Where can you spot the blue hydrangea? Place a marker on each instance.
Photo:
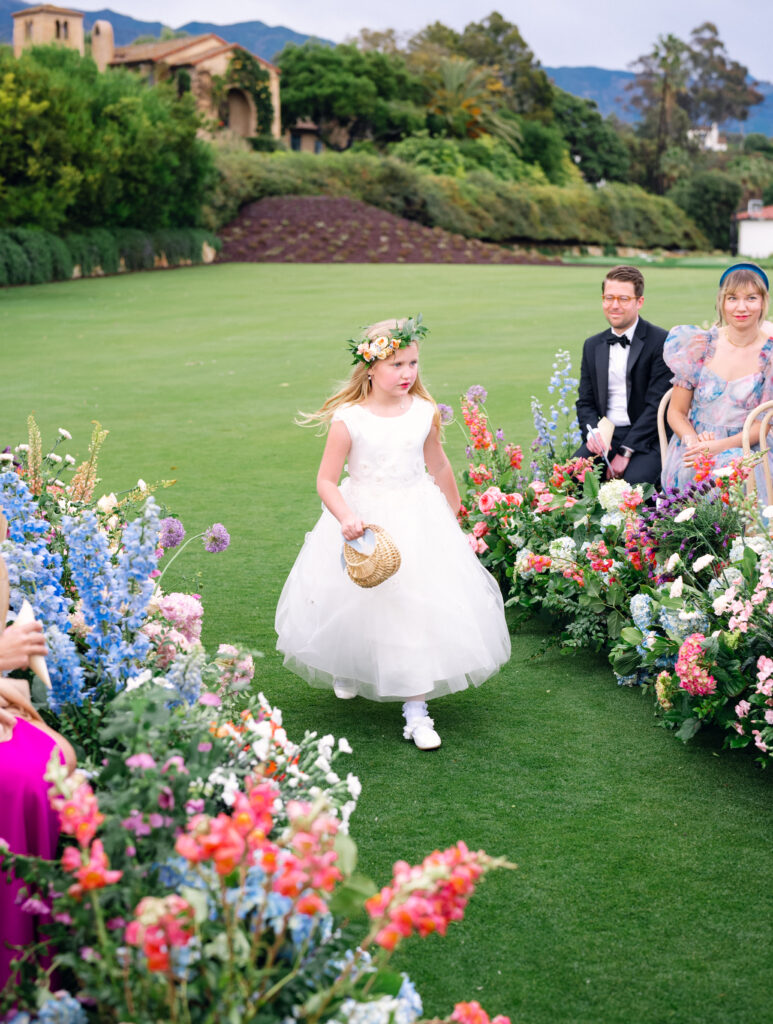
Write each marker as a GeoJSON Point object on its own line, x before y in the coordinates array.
{"type": "Point", "coordinates": [679, 627]}
{"type": "Point", "coordinates": [641, 611]}
{"type": "Point", "coordinates": [647, 642]}
{"type": "Point", "coordinates": [632, 680]}
{"type": "Point", "coordinates": [62, 1009]}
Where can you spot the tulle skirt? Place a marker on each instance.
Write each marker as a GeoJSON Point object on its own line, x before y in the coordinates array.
{"type": "Point", "coordinates": [435, 627]}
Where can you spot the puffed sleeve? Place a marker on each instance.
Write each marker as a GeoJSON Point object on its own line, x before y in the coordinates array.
{"type": "Point", "coordinates": [767, 370]}
{"type": "Point", "coordinates": [685, 350]}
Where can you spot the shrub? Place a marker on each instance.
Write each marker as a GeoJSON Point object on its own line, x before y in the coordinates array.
{"type": "Point", "coordinates": [14, 262]}
{"type": "Point", "coordinates": [135, 249]}
{"type": "Point", "coordinates": [478, 205]}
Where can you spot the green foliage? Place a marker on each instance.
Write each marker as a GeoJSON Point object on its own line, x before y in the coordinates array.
{"type": "Point", "coordinates": [49, 258]}
{"type": "Point", "coordinates": [84, 149]}
{"type": "Point", "coordinates": [544, 144]}
{"type": "Point", "coordinates": [593, 142]}
{"type": "Point", "coordinates": [710, 199]}
{"type": "Point", "coordinates": [455, 157]}
{"type": "Point", "coordinates": [351, 95]}
{"type": "Point", "coordinates": [478, 205]}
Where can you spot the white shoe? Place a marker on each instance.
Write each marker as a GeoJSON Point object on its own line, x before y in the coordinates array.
{"type": "Point", "coordinates": [422, 732]}
{"type": "Point", "coordinates": [343, 690]}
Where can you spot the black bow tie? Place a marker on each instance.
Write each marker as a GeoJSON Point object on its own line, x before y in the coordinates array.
{"type": "Point", "coordinates": [612, 339]}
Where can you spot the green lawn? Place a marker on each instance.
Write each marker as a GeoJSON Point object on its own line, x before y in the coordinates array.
{"type": "Point", "coordinates": [635, 899]}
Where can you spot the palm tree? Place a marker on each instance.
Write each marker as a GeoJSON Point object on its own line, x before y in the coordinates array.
{"type": "Point", "coordinates": [467, 98]}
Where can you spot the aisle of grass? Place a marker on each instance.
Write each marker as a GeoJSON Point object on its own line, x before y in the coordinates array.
{"type": "Point", "coordinates": [636, 898]}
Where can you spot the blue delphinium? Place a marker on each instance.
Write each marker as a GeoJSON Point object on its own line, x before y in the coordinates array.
{"type": "Point", "coordinates": [114, 598]}
{"type": "Point", "coordinates": [35, 574]}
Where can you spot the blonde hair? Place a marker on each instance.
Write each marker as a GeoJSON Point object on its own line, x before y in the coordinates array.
{"type": "Point", "coordinates": [356, 389]}
{"type": "Point", "coordinates": [741, 278]}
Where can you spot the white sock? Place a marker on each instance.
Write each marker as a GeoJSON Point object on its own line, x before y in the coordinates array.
{"type": "Point", "coordinates": [414, 709]}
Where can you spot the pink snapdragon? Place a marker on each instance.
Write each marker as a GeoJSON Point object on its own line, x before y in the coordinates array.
{"type": "Point", "coordinates": [473, 1013]}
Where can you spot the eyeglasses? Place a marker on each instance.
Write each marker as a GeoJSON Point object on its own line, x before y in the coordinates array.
{"type": "Point", "coordinates": [623, 300]}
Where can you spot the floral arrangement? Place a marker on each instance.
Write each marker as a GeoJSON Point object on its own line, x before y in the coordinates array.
{"type": "Point", "coordinates": [207, 871]}
{"type": "Point", "coordinates": [676, 587]}
{"type": "Point", "coordinates": [366, 350]}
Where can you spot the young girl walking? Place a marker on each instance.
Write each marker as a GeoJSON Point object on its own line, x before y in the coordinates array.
{"type": "Point", "coordinates": [437, 625]}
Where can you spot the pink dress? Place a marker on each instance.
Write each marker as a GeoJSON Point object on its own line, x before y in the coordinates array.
{"type": "Point", "coordinates": [28, 825]}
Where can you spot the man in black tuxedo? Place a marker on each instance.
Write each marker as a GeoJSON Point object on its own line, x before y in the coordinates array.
{"type": "Point", "coordinates": [623, 377]}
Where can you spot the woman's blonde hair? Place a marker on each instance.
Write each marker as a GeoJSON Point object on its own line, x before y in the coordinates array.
{"type": "Point", "coordinates": [356, 389]}
{"type": "Point", "coordinates": [741, 278]}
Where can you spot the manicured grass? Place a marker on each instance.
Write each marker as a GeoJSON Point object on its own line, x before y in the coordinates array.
{"type": "Point", "coordinates": [639, 894]}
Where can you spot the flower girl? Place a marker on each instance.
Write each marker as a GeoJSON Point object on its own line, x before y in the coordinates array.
{"type": "Point", "coordinates": [437, 625]}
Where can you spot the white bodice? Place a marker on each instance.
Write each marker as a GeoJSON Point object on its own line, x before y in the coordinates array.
{"type": "Point", "coordinates": [387, 450]}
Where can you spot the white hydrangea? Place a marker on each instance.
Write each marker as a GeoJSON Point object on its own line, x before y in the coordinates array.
{"type": "Point", "coordinates": [611, 494]}
{"type": "Point", "coordinates": [761, 545]}
{"type": "Point", "coordinates": [563, 551]}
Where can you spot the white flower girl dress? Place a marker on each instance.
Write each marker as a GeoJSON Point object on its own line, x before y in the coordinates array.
{"type": "Point", "coordinates": [437, 625]}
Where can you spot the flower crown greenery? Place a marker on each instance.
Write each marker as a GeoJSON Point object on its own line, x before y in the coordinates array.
{"type": "Point", "coordinates": [366, 350]}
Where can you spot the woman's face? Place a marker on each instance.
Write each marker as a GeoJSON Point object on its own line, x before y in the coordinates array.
{"type": "Point", "coordinates": [743, 306]}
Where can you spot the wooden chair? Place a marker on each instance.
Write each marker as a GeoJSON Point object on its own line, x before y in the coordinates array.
{"type": "Point", "coordinates": [662, 433]}
{"type": "Point", "coordinates": [765, 410]}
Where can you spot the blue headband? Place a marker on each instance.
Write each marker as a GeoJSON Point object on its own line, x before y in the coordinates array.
{"type": "Point", "coordinates": [747, 266]}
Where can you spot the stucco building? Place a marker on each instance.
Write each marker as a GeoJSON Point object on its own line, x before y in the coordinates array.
{"type": "Point", "coordinates": [755, 231]}
{"type": "Point", "coordinates": [203, 57]}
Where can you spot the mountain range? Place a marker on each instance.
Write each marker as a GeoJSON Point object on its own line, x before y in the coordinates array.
{"type": "Point", "coordinates": [606, 87]}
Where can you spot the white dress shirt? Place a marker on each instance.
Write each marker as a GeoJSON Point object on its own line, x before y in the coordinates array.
{"type": "Point", "coordinates": [617, 392]}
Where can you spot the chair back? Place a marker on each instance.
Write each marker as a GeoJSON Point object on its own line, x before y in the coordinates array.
{"type": "Point", "coordinates": [763, 413]}
{"type": "Point", "coordinates": [662, 434]}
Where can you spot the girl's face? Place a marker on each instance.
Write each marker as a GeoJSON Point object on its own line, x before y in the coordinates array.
{"type": "Point", "coordinates": [396, 375]}
{"type": "Point", "coordinates": [743, 306]}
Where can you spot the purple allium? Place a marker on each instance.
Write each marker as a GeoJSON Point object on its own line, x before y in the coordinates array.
{"type": "Point", "coordinates": [216, 538]}
{"type": "Point", "coordinates": [446, 412]}
{"type": "Point", "coordinates": [477, 394]}
{"type": "Point", "coordinates": [172, 532]}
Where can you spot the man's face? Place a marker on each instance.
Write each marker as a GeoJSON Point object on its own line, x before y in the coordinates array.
{"type": "Point", "coordinates": [620, 305]}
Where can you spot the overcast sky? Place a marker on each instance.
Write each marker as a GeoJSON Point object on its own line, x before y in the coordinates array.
{"type": "Point", "coordinates": [605, 33]}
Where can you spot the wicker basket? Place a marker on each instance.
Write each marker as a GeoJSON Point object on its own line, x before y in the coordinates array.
{"type": "Point", "coordinates": [370, 570]}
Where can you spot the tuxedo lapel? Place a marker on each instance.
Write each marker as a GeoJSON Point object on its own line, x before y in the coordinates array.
{"type": "Point", "coordinates": [602, 374]}
{"type": "Point", "coordinates": [637, 344]}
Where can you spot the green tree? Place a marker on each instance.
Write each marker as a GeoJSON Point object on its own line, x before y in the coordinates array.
{"type": "Point", "coordinates": [710, 199]}
{"type": "Point", "coordinates": [593, 143]}
{"type": "Point", "coordinates": [660, 95]}
{"type": "Point", "coordinates": [350, 94]}
{"type": "Point", "coordinates": [90, 149]}
{"type": "Point", "coordinates": [466, 100]}
{"type": "Point", "coordinates": [496, 43]}
{"type": "Point", "coordinates": [719, 88]}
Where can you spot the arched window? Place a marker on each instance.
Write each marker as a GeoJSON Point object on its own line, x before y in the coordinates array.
{"type": "Point", "coordinates": [58, 29]}
{"type": "Point", "coordinates": [65, 30]}
{"type": "Point", "coordinates": [28, 29]}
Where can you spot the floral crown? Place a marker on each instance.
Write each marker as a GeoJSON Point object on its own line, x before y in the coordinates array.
{"type": "Point", "coordinates": [366, 350]}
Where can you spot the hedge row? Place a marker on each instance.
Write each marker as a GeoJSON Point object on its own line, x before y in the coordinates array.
{"type": "Point", "coordinates": [34, 256]}
{"type": "Point", "coordinates": [477, 205]}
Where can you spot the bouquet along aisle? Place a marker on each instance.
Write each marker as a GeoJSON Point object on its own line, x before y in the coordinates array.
{"type": "Point", "coordinates": [206, 872]}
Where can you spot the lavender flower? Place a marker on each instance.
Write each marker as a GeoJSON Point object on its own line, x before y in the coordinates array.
{"type": "Point", "coordinates": [477, 394]}
{"type": "Point", "coordinates": [500, 435]}
{"type": "Point", "coordinates": [172, 532]}
{"type": "Point", "coordinates": [446, 412]}
{"type": "Point", "coordinates": [216, 538]}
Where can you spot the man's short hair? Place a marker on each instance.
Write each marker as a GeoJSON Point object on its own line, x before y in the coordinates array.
{"type": "Point", "coordinates": [626, 273]}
